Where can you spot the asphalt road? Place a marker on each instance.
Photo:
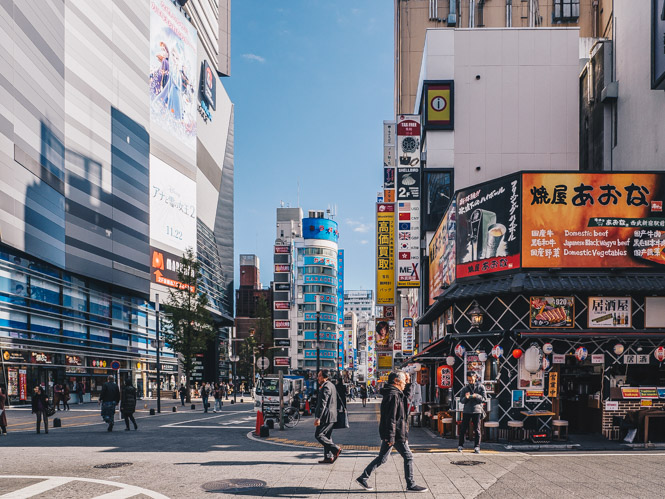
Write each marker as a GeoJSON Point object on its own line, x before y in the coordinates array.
{"type": "Point", "coordinates": [191, 453]}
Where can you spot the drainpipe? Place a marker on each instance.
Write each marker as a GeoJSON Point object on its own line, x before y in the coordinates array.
{"type": "Point", "coordinates": [481, 17]}
{"type": "Point", "coordinates": [595, 19]}
{"type": "Point", "coordinates": [472, 16]}
{"type": "Point", "coordinates": [509, 13]}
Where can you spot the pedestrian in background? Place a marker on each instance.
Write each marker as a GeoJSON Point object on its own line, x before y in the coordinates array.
{"type": "Point", "coordinates": [394, 430]}
{"type": "Point", "coordinates": [39, 407]}
{"type": "Point", "coordinates": [109, 398]}
{"type": "Point", "coordinates": [472, 396]}
{"type": "Point", "coordinates": [217, 393]}
{"type": "Point", "coordinates": [57, 396]}
{"type": "Point", "coordinates": [128, 404]}
{"type": "Point", "coordinates": [65, 396]}
{"type": "Point", "coordinates": [80, 390]}
{"type": "Point", "coordinates": [3, 413]}
{"type": "Point", "coordinates": [204, 396]}
{"type": "Point", "coordinates": [363, 394]}
{"type": "Point", "coordinates": [326, 416]}
{"type": "Point", "coordinates": [183, 394]}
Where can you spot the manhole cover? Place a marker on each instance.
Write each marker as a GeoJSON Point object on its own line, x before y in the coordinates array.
{"type": "Point", "coordinates": [112, 465]}
{"type": "Point", "coordinates": [467, 463]}
{"type": "Point", "coordinates": [232, 484]}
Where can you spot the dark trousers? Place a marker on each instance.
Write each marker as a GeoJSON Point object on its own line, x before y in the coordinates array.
{"type": "Point", "coordinates": [323, 434]}
{"type": "Point", "coordinates": [182, 399]}
{"type": "Point", "coordinates": [65, 404]}
{"type": "Point", "coordinates": [42, 415]}
{"type": "Point", "coordinates": [466, 419]}
{"type": "Point", "coordinates": [405, 452]}
{"type": "Point", "coordinates": [129, 417]}
{"type": "Point", "coordinates": [205, 404]}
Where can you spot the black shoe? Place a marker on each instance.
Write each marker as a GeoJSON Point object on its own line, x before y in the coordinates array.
{"type": "Point", "coordinates": [127, 429]}
{"type": "Point", "coordinates": [417, 488]}
{"type": "Point", "coordinates": [136, 427]}
{"type": "Point", "coordinates": [339, 451]}
{"type": "Point", "coordinates": [363, 483]}
{"type": "Point", "coordinates": [326, 461]}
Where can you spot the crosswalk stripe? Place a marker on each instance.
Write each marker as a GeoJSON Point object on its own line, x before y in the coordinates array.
{"type": "Point", "coordinates": [37, 488]}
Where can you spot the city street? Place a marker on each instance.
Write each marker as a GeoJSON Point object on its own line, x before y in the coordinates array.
{"type": "Point", "coordinates": [189, 453]}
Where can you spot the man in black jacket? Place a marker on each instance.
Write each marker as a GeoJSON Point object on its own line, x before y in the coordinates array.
{"type": "Point", "coordinates": [472, 396]}
{"type": "Point", "coordinates": [128, 404]}
{"type": "Point", "coordinates": [394, 429]}
{"type": "Point", "coordinates": [326, 417]}
{"type": "Point", "coordinates": [109, 398]}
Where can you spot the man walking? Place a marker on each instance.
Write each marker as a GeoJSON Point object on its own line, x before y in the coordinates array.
{"type": "Point", "coordinates": [394, 430]}
{"type": "Point", "coordinates": [204, 396]}
{"type": "Point", "coordinates": [326, 417]}
{"type": "Point", "coordinates": [109, 398]}
{"type": "Point", "coordinates": [128, 404]}
{"type": "Point", "coordinates": [183, 394]}
{"type": "Point", "coordinates": [472, 396]}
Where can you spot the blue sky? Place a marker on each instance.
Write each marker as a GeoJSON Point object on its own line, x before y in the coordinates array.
{"type": "Point", "coordinates": [312, 81]}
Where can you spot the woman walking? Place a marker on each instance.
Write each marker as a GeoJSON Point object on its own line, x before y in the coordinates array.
{"type": "Point", "coordinates": [40, 408]}
{"type": "Point", "coordinates": [128, 404]}
{"type": "Point", "coordinates": [65, 395]}
{"type": "Point", "coordinates": [3, 413]}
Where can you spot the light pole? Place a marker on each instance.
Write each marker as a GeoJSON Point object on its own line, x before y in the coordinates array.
{"type": "Point", "coordinates": [318, 343]}
{"type": "Point", "coordinates": [159, 381]}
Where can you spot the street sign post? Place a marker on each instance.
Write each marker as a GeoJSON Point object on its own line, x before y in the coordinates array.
{"type": "Point", "coordinates": [263, 363]}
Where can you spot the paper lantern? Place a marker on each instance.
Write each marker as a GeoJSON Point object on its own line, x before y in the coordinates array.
{"type": "Point", "coordinates": [581, 353]}
{"type": "Point", "coordinates": [548, 348]}
{"type": "Point", "coordinates": [533, 359]}
{"type": "Point", "coordinates": [444, 377]}
{"type": "Point", "coordinates": [618, 349]}
{"type": "Point", "coordinates": [450, 360]}
{"type": "Point", "coordinates": [497, 352]}
{"type": "Point", "coordinates": [460, 350]}
{"type": "Point", "coordinates": [546, 363]}
{"type": "Point", "coordinates": [659, 353]}
{"type": "Point", "coordinates": [482, 356]}
{"type": "Point", "coordinates": [517, 353]}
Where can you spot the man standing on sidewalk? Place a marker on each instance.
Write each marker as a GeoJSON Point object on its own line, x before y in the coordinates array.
{"type": "Point", "coordinates": [326, 417]}
{"type": "Point", "coordinates": [109, 398]}
{"type": "Point", "coordinates": [394, 430]}
{"type": "Point", "coordinates": [472, 396]}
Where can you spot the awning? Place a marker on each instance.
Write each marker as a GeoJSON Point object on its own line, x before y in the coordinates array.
{"type": "Point", "coordinates": [550, 282]}
{"type": "Point", "coordinates": [590, 333]}
{"type": "Point", "coordinates": [487, 334]}
{"type": "Point", "coordinates": [432, 350]}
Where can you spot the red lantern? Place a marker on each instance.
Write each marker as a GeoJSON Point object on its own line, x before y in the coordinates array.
{"type": "Point", "coordinates": [517, 353]}
{"type": "Point", "coordinates": [659, 353]}
{"type": "Point", "coordinates": [444, 377]}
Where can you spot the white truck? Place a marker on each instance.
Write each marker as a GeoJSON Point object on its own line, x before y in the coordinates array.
{"type": "Point", "coordinates": [266, 394]}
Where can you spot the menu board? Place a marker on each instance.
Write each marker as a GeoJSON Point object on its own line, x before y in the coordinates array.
{"type": "Point", "coordinates": [551, 311]}
{"type": "Point", "coordinates": [630, 393]}
{"type": "Point", "coordinates": [527, 380]}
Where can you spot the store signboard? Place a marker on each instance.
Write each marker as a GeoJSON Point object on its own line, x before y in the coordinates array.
{"type": "Point", "coordinates": [388, 178]}
{"type": "Point", "coordinates": [281, 268]}
{"type": "Point", "coordinates": [282, 305]}
{"type": "Point", "coordinates": [551, 311]}
{"type": "Point", "coordinates": [593, 220]}
{"type": "Point", "coordinates": [41, 358]}
{"type": "Point", "coordinates": [611, 405]}
{"type": "Point", "coordinates": [610, 312]}
{"type": "Point", "coordinates": [282, 249]}
{"type": "Point", "coordinates": [488, 227]}
{"type": "Point", "coordinates": [598, 358]}
{"type": "Point", "coordinates": [654, 311]}
{"type": "Point", "coordinates": [553, 384]}
{"type": "Point", "coordinates": [628, 392]}
{"type": "Point", "coordinates": [389, 143]}
{"type": "Point", "coordinates": [648, 393]}
{"type": "Point", "coordinates": [408, 140]}
{"type": "Point", "coordinates": [407, 336]}
{"type": "Point", "coordinates": [442, 255]}
{"type": "Point", "coordinates": [385, 254]}
{"type": "Point", "coordinates": [282, 324]}
{"type": "Point", "coordinates": [558, 358]}
{"type": "Point", "coordinates": [282, 361]}
{"type": "Point", "coordinates": [631, 358]}
{"type": "Point", "coordinates": [22, 384]}
{"type": "Point", "coordinates": [439, 104]}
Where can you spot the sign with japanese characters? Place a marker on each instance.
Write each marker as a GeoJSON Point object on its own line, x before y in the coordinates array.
{"type": "Point", "coordinates": [551, 311]}
{"type": "Point", "coordinates": [408, 140]}
{"type": "Point", "coordinates": [658, 44]}
{"type": "Point", "coordinates": [488, 227]}
{"type": "Point", "coordinates": [442, 255]}
{"type": "Point", "coordinates": [408, 244]}
{"type": "Point", "coordinates": [385, 254]}
{"type": "Point", "coordinates": [610, 312]}
{"type": "Point", "coordinates": [593, 220]}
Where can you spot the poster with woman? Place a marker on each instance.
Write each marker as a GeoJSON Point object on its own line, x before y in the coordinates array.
{"type": "Point", "coordinates": [385, 334]}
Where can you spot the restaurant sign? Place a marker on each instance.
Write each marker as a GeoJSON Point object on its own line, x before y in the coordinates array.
{"type": "Point", "coordinates": [610, 312]}
{"type": "Point", "coordinates": [551, 311]}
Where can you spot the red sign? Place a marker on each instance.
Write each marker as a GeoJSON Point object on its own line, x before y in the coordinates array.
{"type": "Point", "coordinates": [656, 206]}
{"type": "Point", "coordinates": [397, 346]}
{"type": "Point", "coordinates": [630, 393]}
{"type": "Point", "coordinates": [22, 384]}
{"type": "Point", "coordinates": [41, 358]}
{"type": "Point", "coordinates": [444, 377]}
{"type": "Point", "coordinates": [282, 324]}
{"type": "Point", "coordinates": [281, 305]}
{"type": "Point", "coordinates": [423, 376]}
{"type": "Point", "coordinates": [282, 268]}
{"type": "Point", "coordinates": [282, 361]}
{"type": "Point", "coordinates": [282, 249]}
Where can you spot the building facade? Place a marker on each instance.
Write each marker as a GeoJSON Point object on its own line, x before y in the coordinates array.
{"type": "Point", "coordinates": [116, 156]}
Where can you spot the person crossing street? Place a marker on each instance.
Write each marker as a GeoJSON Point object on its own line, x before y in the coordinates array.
{"type": "Point", "coordinates": [108, 399]}
{"type": "Point", "coordinates": [472, 396]}
{"type": "Point", "coordinates": [325, 417]}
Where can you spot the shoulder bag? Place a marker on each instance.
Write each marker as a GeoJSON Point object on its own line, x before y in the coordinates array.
{"type": "Point", "coordinates": [342, 416]}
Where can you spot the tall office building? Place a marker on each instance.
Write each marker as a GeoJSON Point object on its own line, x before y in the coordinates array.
{"type": "Point", "coordinates": [116, 155]}
{"type": "Point", "coordinates": [361, 302]}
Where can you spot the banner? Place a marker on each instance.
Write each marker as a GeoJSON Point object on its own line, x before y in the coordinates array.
{"type": "Point", "coordinates": [488, 227]}
{"type": "Point", "coordinates": [593, 220]}
{"type": "Point", "coordinates": [408, 244]}
{"type": "Point", "coordinates": [385, 254]}
{"type": "Point", "coordinates": [408, 140]}
{"type": "Point", "coordinates": [442, 255]}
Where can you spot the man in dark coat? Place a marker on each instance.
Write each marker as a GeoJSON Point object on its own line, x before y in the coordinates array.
{"type": "Point", "coordinates": [472, 396]}
{"type": "Point", "coordinates": [325, 417]}
{"type": "Point", "coordinates": [394, 430]}
{"type": "Point", "coordinates": [40, 407]}
{"type": "Point", "coordinates": [109, 398]}
{"type": "Point", "coordinates": [128, 404]}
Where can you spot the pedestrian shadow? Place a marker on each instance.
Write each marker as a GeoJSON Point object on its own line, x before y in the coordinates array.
{"type": "Point", "coordinates": [298, 492]}
{"type": "Point", "coordinates": [247, 463]}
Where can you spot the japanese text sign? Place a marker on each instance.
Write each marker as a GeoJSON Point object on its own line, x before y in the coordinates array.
{"type": "Point", "coordinates": [385, 254]}
{"type": "Point", "coordinates": [610, 312]}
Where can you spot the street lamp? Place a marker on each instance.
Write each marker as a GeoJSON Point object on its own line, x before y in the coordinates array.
{"type": "Point", "coordinates": [318, 343]}
{"type": "Point", "coordinates": [477, 315]}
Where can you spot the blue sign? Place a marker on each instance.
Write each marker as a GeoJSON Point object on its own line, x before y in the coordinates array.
{"type": "Point", "coordinates": [311, 298]}
{"type": "Point", "coordinates": [320, 260]}
{"type": "Point", "coordinates": [324, 336]}
{"type": "Point", "coordinates": [340, 287]}
{"type": "Point", "coordinates": [405, 226]}
{"type": "Point", "coordinates": [323, 354]}
{"type": "Point", "coordinates": [320, 228]}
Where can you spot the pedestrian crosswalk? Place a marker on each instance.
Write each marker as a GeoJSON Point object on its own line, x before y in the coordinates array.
{"type": "Point", "coordinates": [46, 485]}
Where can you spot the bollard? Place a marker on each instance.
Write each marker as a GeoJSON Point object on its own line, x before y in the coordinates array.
{"type": "Point", "coordinates": [193, 407]}
{"type": "Point", "coordinates": [174, 409]}
{"type": "Point", "coordinates": [242, 401]}
{"type": "Point", "coordinates": [264, 432]}
{"type": "Point", "coordinates": [152, 412]}
{"type": "Point", "coordinates": [270, 423]}
{"type": "Point", "coordinates": [57, 423]}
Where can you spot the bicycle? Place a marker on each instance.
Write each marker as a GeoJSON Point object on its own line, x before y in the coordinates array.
{"type": "Point", "coordinates": [291, 417]}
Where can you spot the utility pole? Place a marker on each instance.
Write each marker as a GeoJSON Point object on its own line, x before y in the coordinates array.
{"type": "Point", "coordinates": [159, 380]}
{"type": "Point", "coordinates": [318, 343]}
{"type": "Point", "coordinates": [281, 400]}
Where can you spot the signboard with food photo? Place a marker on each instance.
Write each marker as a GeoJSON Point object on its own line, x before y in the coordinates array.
{"type": "Point", "coordinates": [551, 311]}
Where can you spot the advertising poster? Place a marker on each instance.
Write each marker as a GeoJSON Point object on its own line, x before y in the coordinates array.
{"type": "Point", "coordinates": [385, 361]}
{"type": "Point", "coordinates": [518, 399]}
{"type": "Point", "coordinates": [408, 140]}
{"type": "Point", "coordinates": [488, 227]}
{"type": "Point", "coordinates": [384, 335]}
{"type": "Point", "coordinates": [473, 364]}
{"type": "Point", "coordinates": [22, 384]}
{"type": "Point", "coordinates": [12, 385]}
{"type": "Point", "coordinates": [551, 311]}
{"type": "Point", "coordinates": [385, 254]}
{"type": "Point", "coordinates": [164, 268]}
{"type": "Point", "coordinates": [593, 220]}
{"type": "Point", "coordinates": [408, 244]}
{"type": "Point", "coordinates": [173, 72]}
{"type": "Point", "coordinates": [527, 380]}
{"type": "Point", "coordinates": [172, 206]}
{"type": "Point", "coordinates": [610, 312]}
{"type": "Point", "coordinates": [442, 255]}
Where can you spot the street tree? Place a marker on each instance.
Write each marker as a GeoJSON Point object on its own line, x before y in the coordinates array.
{"type": "Point", "coordinates": [188, 325]}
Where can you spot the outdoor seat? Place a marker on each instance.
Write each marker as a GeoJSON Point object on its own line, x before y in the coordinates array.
{"type": "Point", "coordinates": [559, 428]}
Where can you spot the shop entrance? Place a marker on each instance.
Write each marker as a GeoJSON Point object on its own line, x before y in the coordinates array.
{"type": "Point", "coordinates": [580, 395]}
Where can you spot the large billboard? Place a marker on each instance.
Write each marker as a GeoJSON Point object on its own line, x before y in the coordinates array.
{"type": "Point", "coordinates": [442, 255]}
{"type": "Point", "coordinates": [587, 220]}
{"type": "Point", "coordinates": [320, 228]}
{"type": "Point", "coordinates": [385, 254]}
{"type": "Point", "coordinates": [488, 227]}
{"type": "Point", "coordinates": [172, 206]}
{"type": "Point", "coordinates": [173, 72]}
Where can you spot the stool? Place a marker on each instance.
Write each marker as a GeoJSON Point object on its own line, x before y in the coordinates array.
{"type": "Point", "coordinates": [434, 420]}
{"type": "Point", "coordinates": [487, 429]}
{"type": "Point", "coordinates": [559, 427]}
{"type": "Point", "coordinates": [415, 419]}
{"type": "Point", "coordinates": [447, 422]}
{"type": "Point", "coordinates": [516, 430]}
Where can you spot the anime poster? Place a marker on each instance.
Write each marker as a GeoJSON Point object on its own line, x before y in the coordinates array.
{"type": "Point", "coordinates": [173, 72]}
{"type": "Point", "coordinates": [384, 335]}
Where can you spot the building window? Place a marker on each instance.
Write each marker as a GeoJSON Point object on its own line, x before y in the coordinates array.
{"type": "Point", "coordinates": [566, 10]}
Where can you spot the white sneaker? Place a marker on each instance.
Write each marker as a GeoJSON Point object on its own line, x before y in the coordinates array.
{"type": "Point", "coordinates": [477, 450]}
{"type": "Point", "coordinates": [460, 449]}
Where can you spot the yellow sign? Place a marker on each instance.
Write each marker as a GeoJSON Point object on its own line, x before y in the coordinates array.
{"type": "Point", "coordinates": [385, 254]}
{"type": "Point", "coordinates": [439, 105]}
{"type": "Point", "coordinates": [553, 385]}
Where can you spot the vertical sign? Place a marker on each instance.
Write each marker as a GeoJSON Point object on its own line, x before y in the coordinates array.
{"type": "Point", "coordinates": [389, 161]}
{"type": "Point", "coordinates": [22, 384]}
{"type": "Point", "coordinates": [407, 336]}
{"type": "Point", "coordinates": [385, 254]}
{"type": "Point", "coordinates": [439, 105]}
{"type": "Point", "coordinates": [340, 287]}
{"type": "Point", "coordinates": [408, 201]}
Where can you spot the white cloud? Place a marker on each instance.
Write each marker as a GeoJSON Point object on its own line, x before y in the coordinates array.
{"type": "Point", "coordinates": [361, 228]}
{"type": "Point", "coordinates": [254, 57]}
{"type": "Point", "coordinates": [364, 241]}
